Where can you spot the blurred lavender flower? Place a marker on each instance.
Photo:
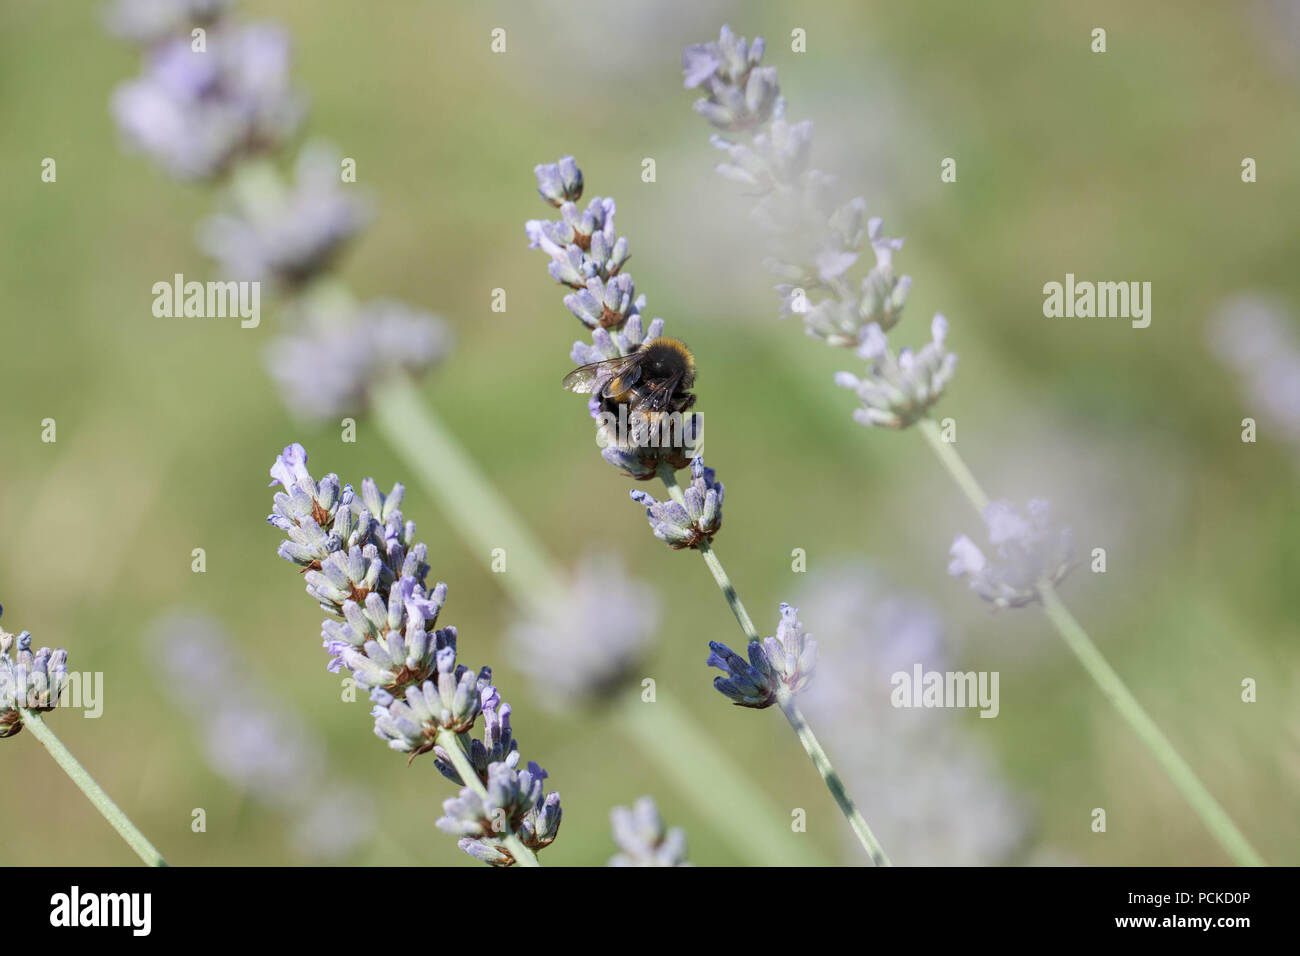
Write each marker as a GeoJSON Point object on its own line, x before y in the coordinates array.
{"type": "Point", "coordinates": [365, 568]}
{"type": "Point", "coordinates": [699, 521]}
{"type": "Point", "coordinates": [586, 644]}
{"type": "Point", "coordinates": [898, 391]}
{"type": "Point", "coordinates": [252, 740]}
{"type": "Point", "coordinates": [935, 795]}
{"type": "Point", "coordinates": [32, 681]}
{"type": "Point", "coordinates": [1030, 549]}
{"type": "Point", "coordinates": [816, 240]}
{"type": "Point", "coordinates": [643, 839]}
{"type": "Point", "coordinates": [287, 233]}
{"type": "Point", "coordinates": [196, 112]}
{"type": "Point", "coordinates": [327, 365]}
{"type": "Point", "coordinates": [146, 22]}
{"type": "Point", "coordinates": [1258, 340]}
{"type": "Point", "coordinates": [778, 667]}
{"type": "Point", "coordinates": [587, 255]}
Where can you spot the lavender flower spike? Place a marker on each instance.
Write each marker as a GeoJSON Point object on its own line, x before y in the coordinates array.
{"type": "Point", "coordinates": [365, 568]}
{"type": "Point", "coordinates": [1030, 549]}
{"type": "Point", "coordinates": [898, 391]}
{"type": "Point", "coordinates": [741, 94]}
{"type": "Point", "coordinates": [778, 667]}
{"type": "Point", "coordinates": [701, 518]}
{"type": "Point", "coordinates": [643, 839]}
{"type": "Point", "coordinates": [515, 799]}
{"type": "Point", "coordinates": [32, 681]}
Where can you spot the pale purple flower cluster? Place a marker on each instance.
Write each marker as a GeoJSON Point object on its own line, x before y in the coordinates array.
{"type": "Point", "coordinates": [364, 567]}
{"type": "Point", "coordinates": [643, 839]}
{"type": "Point", "coordinates": [701, 518]}
{"type": "Point", "coordinates": [588, 256]}
{"type": "Point", "coordinates": [31, 680]}
{"type": "Point", "coordinates": [331, 359]}
{"type": "Point", "coordinates": [197, 111]}
{"type": "Point", "coordinates": [816, 239]}
{"type": "Point", "coordinates": [1029, 549]}
{"type": "Point", "coordinates": [778, 667]}
{"type": "Point", "coordinates": [288, 233]}
{"type": "Point", "coordinates": [254, 741]}
{"type": "Point", "coordinates": [898, 390]}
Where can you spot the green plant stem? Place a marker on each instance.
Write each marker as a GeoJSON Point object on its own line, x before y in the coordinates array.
{"type": "Point", "coordinates": [952, 461]}
{"type": "Point", "coordinates": [94, 792]}
{"type": "Point", "coordinates": [464, 494]}
{"type": "Point", "coordinates": [833, 782]}
{"type": "Point", "coordinates": [1213, 815]}
{"type": "Point", "coordinates": [450, 742]}
{"type": "Point", "coordinates": [485, 521]}
{"type": "Point", "coordinates": [755, 827]}
{"type": "Point", "coordinates": [823, 764]}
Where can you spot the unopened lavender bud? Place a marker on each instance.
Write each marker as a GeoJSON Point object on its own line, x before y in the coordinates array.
{"type": "Point", "coordinates": [29, 680]}
{"type": "Point", "coordinates": [686, 527]}
{"type": "Point", "coordinates": [748, 683]}
{"type": "Point", "coordinates": [560, 182]}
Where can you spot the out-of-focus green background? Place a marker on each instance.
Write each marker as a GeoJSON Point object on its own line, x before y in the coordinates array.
{"type": "Point", "coordinates": [1117, 166]}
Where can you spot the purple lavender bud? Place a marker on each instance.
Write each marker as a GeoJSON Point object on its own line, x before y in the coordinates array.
{"type": "Point", "coordinates": [28, 680]}
{"type": "Point", "coordinates": [1029, 547]}
{"type": "Point", "coordinates": [686, 527]}
{"type": "Point", "coordinates": [748, 683]}
{"type": "Point", "coordinates": [560, 182]}
{"type": "Point", "coordinates": [643, 839]}
{"type": "Point", "coordinates": [778, 667]}
{"type": "Point", "coordinates": [515, 799]}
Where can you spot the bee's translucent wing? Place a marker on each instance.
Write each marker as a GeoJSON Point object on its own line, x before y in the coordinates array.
{"type": "Point", "coordinates": [661, 398]}
{"type": "Point", "coordinates": [585, 378]}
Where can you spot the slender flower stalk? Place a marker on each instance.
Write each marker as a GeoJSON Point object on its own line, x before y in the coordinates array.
{"type": "Point", "coordinates": [31, 684]}
{"type": "Point", "coordinates": [586, 252]}
{"type": "Point", "coordinates": [833, 782]}
{"type": "Point", "coordinates": [817, 243]}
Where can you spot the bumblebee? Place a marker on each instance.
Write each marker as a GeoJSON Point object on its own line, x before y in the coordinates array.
{"type": "Point", "coordinates": [656, 378]}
